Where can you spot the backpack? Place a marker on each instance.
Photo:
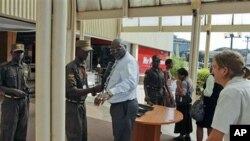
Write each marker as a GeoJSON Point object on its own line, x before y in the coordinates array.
{"type": "Point", "coordinates": [197, 109]}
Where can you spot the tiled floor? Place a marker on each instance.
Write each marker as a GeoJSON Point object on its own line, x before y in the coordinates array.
{"type": "Point", "coordinates": [102, 113]}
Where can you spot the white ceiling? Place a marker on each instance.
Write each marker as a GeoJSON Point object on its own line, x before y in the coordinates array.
{"type": "Point", "coordinates": [96, 5]}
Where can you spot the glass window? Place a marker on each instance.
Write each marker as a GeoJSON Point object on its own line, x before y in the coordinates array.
{"type": "Point", "coordinates": [171, 21]}
{"type": "Point", "coordinates": [186, 20]}
{"type": "Point", "coordinates": [241, 19]}
{"type": "Point", "coordinates": [165, 2]}
{"type": "Point", "coordinates": [114, 4]}
{"type": "Point", "coordinates": [225, 19]}
{"type": "Point", "coordinates": [141, 3]}
{"type": "Point", "coordinates": [130, 22]}
{"type": "Point", "coordinates": [149, 21]}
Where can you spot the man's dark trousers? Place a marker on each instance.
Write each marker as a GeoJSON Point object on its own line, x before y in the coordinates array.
{"type": "Point", "coordinates": [123, 117]}
{"type": "Point", "coordinates": [76, 122]}
{"type": "Point", "coordinates": [14, 119]}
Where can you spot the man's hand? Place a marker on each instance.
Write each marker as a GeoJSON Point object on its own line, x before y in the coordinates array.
{"type": "Point", "coordinates": [101, 98]}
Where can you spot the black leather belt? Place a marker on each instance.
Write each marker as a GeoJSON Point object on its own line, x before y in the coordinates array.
{"type": "Point", "coordinates": [74, 101]}
{"type": "Point", "coordinates": [123, 102]}
{"type": "Point", "coordinates": [154, 88]}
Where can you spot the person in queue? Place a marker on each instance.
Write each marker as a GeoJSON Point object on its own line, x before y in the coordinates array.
{"type": "Point", "coordinates": [234, 101]}
{"type": "Point", "coordinates": [184, 92]}
{"type": "Point", "coordinates": [154, 83]}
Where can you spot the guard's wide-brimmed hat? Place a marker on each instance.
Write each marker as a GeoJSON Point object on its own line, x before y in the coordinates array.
{"type": "Point", "coordinates": [84, 45]}
{"type": "Point", "coordinates": [17, 47]}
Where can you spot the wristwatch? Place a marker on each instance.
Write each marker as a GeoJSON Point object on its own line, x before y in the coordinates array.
{"type": "Point", "coordinates": [109, 93]}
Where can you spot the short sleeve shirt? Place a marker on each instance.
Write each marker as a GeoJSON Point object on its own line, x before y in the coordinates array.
{"type": "Point", "coordinates": [232, 106]}
{"type": "Point", "coordinates": [13, 75]}
{"type": "Point", "coordinates": [76, 76]}
{"type": "Point", "coordinates": [154, 78]}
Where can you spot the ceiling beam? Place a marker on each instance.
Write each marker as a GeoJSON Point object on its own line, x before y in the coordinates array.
{"type": "Point", "coordinates": [215, 28]}
{"type": "Point", "coordinates": [169, 10]}
{"type": "Point", "coordinates": [225, 8]}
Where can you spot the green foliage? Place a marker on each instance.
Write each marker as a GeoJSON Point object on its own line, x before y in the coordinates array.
{"type": "Point", "coordinates": [202, 75]}
{"type": "Point", "coordinates": [178, 63]}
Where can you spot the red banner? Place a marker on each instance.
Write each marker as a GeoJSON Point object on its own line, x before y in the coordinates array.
{"type": "Point", "coordinates": [145, 58]}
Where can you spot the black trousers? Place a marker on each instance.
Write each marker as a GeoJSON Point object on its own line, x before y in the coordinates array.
{"type": "Point", "coordinates": [184, 127]}
{"type": "Point", "coordinates": [156, 96]}
{"type": "Point", "coordinates": [14, 119]}
{"type": "Point", "coordinates": [76, 122]}
{"type": "Point", "coordinates": [123, 117]}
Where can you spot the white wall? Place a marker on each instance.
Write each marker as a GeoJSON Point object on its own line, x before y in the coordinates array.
{"type": "Point", "coordinates": [162, 41]}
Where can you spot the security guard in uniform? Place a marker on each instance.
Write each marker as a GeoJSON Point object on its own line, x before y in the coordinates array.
{"type": "Point", "coordinates": [154, 83]}
{"type": "Point", "coordinates": [15, 106]}
{"type": "Point", "coordinates": [76, 93]}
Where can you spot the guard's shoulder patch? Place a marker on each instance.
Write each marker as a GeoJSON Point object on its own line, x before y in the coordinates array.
{"type": "Point", "coordinates": [71, 76]}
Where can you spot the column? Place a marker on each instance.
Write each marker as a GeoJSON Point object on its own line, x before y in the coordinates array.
{"type": "Point", "coordinates": [119, 28]}
{"type": "Point", "coordinates": [71, 31]}
{"type": "Point", "coordinates": [194, 51]}
{"type": "Point", "coordinates": [82, 26]}
{"type": "Point", "coordinates": [135, 50]}
{"type": "Point", "coordinates": [208, 37]}
{"type": "Point", "coordinates": [58, 70]}
{"type": "Point", "coordinates": [43, 63]}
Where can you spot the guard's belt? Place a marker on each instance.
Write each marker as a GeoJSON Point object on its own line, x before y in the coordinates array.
{"type": "Point", "coordinates": [154, 88]}
{"type": "Point", "coordinates": [74, 101]}
{"type": "Point", "coordinates": [13, 97]}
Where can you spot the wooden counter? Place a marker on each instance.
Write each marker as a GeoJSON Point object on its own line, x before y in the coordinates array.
{"type": "Point", "coordinates": [148, 126]}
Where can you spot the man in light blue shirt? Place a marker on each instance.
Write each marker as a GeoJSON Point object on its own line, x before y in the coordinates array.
{"type": "Point", "coordinates": [120, 91]}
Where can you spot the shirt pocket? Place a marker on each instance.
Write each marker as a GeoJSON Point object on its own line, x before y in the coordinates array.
{"type": "Point", "coordinates": [11, 80]}
{"type": "Point", "coordinates": [115, 76]}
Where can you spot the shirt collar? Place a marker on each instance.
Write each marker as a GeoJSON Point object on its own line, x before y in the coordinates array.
{"type": "Point", "coordinates": [235, 80]}
{"type": "Point", "coordinates": [126, 54]}
{"type": "Point", "coordinates": [16, 64]}
{"type": "Point", "coordinates": [78, 63]}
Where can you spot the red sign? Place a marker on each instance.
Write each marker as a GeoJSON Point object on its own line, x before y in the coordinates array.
{"type": "Point", "coordinates": [145, 58]}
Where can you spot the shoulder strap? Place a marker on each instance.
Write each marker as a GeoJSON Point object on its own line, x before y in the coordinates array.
{"type": "Point", "coordinates": [188, 87]}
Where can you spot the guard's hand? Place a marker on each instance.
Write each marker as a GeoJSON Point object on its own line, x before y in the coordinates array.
{"type": "Point", "coordinates": [98, 88]}
{"type": "Point", "coordinates": [93, 94]}
{"type": "Point", "coordinates": [19, 93]}
{"type": "Point", "coordinates": [147, 98]}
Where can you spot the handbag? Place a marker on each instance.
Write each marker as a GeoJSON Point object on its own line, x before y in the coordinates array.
{"type": "Point", "coordinates": [197, 109]}
{"type": "Point", "coordinates": [184, 100]}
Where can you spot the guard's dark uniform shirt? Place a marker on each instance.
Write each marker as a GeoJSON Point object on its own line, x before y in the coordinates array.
{"type": "Point", "coordinates": [14, 75]}
{"type": "Point", "coordinates": [76, 76]}
{"type": "Point", "coordinates": [154, 82]}
{"type": "Point", "coordinates": [76, 119]}
{"type": "Point", "coordinates": [15, 110]}
{"type": "Point", "coordinates": [154, 78]}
